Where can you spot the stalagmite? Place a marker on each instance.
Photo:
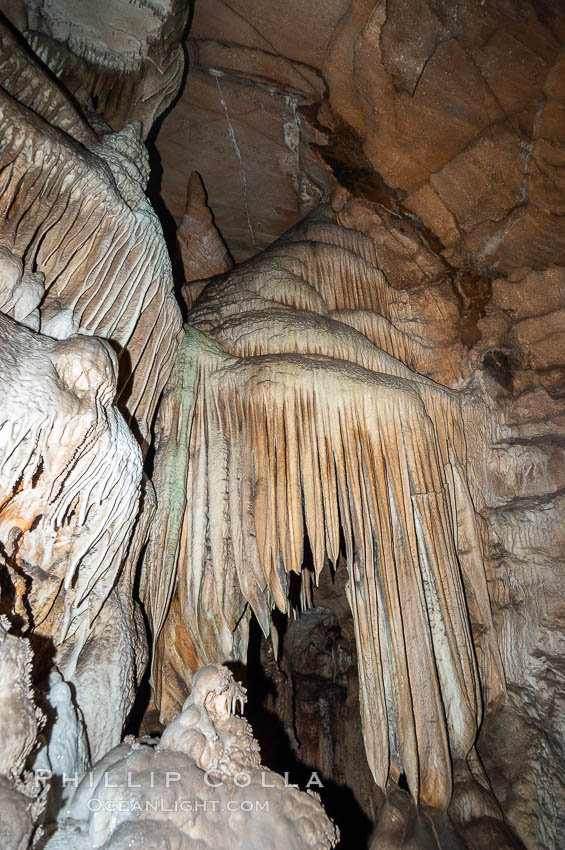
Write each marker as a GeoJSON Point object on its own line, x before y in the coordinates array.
{"type": "Point", "coordinates": [203, 251]}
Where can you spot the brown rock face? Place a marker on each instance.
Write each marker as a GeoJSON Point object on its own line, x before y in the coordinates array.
{"type": "Point", "coordinates": [441, 123]}
{"type": "Point", "coordinates": [455, 109]}
{"type": "Point", "coordinates": [239, 120]}
{"type": "Point", "coordinates": [459, 113]}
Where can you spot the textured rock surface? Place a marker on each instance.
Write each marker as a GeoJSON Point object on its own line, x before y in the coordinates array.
{"type": "Point", "coordinates": [64, 546]}
{"type": "Point", "coordinates": [123, 59]}
{"type": "Point", "coordinates": [433, 133]}
{"type": "Point", "coordinates": [82, 257]}
{"type": "Point", "coordinates": [113, 278]}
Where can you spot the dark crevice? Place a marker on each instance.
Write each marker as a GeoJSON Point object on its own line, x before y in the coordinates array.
{"type": "Point", "coordinates": [280, 740]}
{"type": "Point", "coordinates": [473, 291]}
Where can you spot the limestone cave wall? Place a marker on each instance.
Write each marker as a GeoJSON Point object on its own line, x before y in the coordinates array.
{"type": "Point", "coordinates": [282, 371]}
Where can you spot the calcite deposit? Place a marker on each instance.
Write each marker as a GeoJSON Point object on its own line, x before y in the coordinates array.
{"type": "Point", "coordinates": [282, 364]}
{"type": "Point", "coordinates": [201, 786]}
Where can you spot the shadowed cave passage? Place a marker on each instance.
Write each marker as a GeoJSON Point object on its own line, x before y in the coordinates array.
{"type": "Point", "coordinates": [303, 699]}
{"type": "Point", "coordinates": [306, 716]}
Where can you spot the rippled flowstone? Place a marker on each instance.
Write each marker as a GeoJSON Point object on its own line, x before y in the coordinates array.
{"type": "Point", "coordinates": [201, 786]}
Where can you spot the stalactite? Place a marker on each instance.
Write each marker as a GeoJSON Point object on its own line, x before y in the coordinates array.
{"type": "Point", "coordinates": [302, 426]}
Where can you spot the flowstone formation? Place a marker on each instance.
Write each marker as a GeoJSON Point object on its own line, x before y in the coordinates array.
{"type": "Point", "coordinates": [360, 427]}
{"type": "Point", "coordinates": [201, 786]}
{"type": "Point", "coordinates": [88, 327]}
{"type": "Point", "coordinates": [22, 799]}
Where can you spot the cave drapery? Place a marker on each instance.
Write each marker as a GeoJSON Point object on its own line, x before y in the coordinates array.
{"type": "Point", "coordinates": [182, 442]}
